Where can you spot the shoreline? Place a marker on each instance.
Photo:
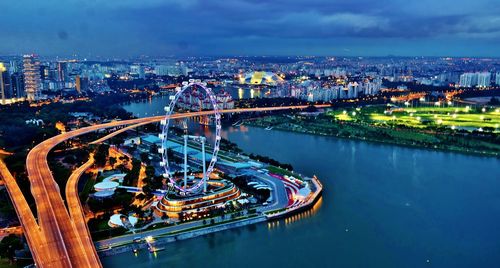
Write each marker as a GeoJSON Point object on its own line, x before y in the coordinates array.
{"type": "Point", "coordinates": [365, 139]}
{"type": "Point", "coordinates": [163, 239]}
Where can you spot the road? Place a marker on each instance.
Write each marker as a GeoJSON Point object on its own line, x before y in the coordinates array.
{"type": "Point", "coordinates": [59, 240]}
{"type": "Point", "coordinates": [30, 227]}
{"type": "Point", "coordinates": [75, 208]}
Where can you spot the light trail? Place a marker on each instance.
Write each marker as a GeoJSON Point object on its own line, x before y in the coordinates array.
{"type": "Point", "coordinates": [59, 239]}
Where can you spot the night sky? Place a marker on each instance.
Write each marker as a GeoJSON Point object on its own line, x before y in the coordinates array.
{"type": "Point", "coordinates": [124, 28]}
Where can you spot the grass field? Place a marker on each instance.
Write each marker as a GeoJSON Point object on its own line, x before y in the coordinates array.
{"type": "Point", "coordinates": [422, 117]}
{"type": "Point", "coordinates": [281, 171]}
{"type": "Point", "coordinates": [429, 127]}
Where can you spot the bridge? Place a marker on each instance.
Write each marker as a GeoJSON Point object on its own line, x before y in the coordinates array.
{"type": "Point", "coordinates": [59, 237]}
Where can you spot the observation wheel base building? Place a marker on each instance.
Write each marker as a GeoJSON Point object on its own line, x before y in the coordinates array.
{"type": "Point", "coordinates": [199, 205]}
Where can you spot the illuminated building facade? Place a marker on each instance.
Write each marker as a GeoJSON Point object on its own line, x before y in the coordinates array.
{"type": "Point", "coordinates": [32, 80]}
{"type": "Point", "coordinates": [219, 193]}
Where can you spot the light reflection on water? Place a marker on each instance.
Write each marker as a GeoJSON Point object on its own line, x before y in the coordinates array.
{"type": "Point", "coordinates": [382, 206]}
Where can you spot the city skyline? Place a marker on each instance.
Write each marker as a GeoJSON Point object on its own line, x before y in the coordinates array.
{"type": "Point", "coordinates": [249, 133]}
{"type": "Point", "coordinates": [280, 28]}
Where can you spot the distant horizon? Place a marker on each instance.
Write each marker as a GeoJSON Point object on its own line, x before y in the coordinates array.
{"type": "Point", "coordinates": [111, 57]}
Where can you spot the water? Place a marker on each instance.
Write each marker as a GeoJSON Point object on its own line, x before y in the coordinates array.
{"type": "Point", "coordinates": [383, 206]}
{"type": "Point", "coordinates": [154, 106]}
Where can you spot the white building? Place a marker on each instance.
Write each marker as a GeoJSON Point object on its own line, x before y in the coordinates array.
{"type": "Point", "coordinates": [497, 78]}
{"type": "Point", "coordinates": [171, 70]}
{"type": "Point", "coordinates": [138, 70]}
{"type": "Point", "coordinates": [484, 79]}
{"type": "Point", "coordinates": [468, 79]}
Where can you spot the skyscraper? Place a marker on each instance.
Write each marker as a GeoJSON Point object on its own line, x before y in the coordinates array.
{"type": "Point", "coordinates": [62, 71]}
{"type": "Point", "coordinates": [32, 81]}
{"type": "Point", "coordinates": [17, 80]}
{"type": "Point", "coordinates": [484, 79]}
{"type": "Point", "coordinates": [497, 79]}
{"type": "Point", "coordinates": [468, 79]}
{"type": "Point", "coordinates": [81, 84]}
{"type": "Point", "coordinates": [3, 84]}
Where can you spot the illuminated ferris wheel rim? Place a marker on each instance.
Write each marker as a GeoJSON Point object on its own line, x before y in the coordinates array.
{"type": "Point", "coordinates": [164, 135]}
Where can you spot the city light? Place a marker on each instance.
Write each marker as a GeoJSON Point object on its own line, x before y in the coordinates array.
{"type": "Point", "coordinates": [166, 124]}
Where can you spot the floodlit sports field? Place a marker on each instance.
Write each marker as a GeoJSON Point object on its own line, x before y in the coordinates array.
{"type": "Point", "coordinates": [469, 118]}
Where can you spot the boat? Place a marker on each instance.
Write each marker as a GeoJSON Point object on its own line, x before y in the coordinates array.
{"type": "Point", "coordinates": [155, 249]}
{"type": "Point", "coordinates": [269, 128]}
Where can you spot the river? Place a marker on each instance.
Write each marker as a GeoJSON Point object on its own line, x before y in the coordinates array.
{"type": "Point", "coordinates": [383, 206]}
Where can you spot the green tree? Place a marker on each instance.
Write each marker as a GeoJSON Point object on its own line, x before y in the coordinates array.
{"type": "Point", "coordinates": [112, 161]}
{"type": "Point", "coordinates": [9, 245]}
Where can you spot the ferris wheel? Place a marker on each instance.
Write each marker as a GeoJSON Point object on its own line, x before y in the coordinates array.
{"type": "Point", "coordinates": [163, 150]}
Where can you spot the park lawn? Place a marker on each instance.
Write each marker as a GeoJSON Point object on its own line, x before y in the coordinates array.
{"type": "Point", "coordinates": [409, 135]}
{"type": "Point", "coordinates": [344, 117]}
{"type": "Point", "coordinates": [472, 120]}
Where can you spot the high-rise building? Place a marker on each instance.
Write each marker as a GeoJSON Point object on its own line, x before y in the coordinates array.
{"type": "Point", "coordinates": [138, 70]}
{"type": "Point", "coordinates": [32, 81]}
{"type": "Point", "coordinates": [468, 79]}
{"type": "Point", "coordinates": [17, 81]}
{"type": "Point", "coordinates": [45, 72]}
{"type": "Point", "coordinates": [497, 78]}
{"type": "Point", "coordinates": [170, 70]}
{"type": "Point", "coordinates": [484, 79]}
{"type": "Point", "coordinates": [62, 71]}
{"type": "Point", "coordinates": [4, 83]}
{"type": "Point", "coordinates": [13, 66]}
{"type": "Point", "coordinates": [81, 84]}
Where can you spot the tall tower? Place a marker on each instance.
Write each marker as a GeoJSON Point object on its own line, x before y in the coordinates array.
{"type": "Point", "coordinates": [62, 71]}
{"type": "Point", "coordinates": [2, 82]}
{"type": "Point", "coordinates": [78, 84]}
{"type": "Point", "coordinates": [32, 81]}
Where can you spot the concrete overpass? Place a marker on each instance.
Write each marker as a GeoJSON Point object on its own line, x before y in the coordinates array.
{"type": "Point", "coordinates": [59, 238]}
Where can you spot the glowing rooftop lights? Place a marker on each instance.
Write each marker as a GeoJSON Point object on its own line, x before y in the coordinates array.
{"type": "Point", "coordinates": [149, 239]}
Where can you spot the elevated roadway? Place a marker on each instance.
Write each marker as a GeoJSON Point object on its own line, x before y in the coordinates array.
{"type": "Point", "coordinates": [60, 239]}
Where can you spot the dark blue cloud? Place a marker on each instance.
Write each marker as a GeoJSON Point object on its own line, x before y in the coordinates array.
{"type": "Point", "coordinates": [251, 27]}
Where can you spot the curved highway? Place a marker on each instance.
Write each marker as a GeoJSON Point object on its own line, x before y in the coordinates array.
{"type": "Point", "coordinates": [60, 240]}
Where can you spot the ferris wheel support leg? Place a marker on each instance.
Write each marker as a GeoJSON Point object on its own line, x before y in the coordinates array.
{"type": "Point", "coordinates": [185, 160]}
{"type": "Point", "coordinates": [204, 166]}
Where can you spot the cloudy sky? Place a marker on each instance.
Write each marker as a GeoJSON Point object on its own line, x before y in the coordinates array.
{"type": "Point", "coordinates": [125, 28]}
